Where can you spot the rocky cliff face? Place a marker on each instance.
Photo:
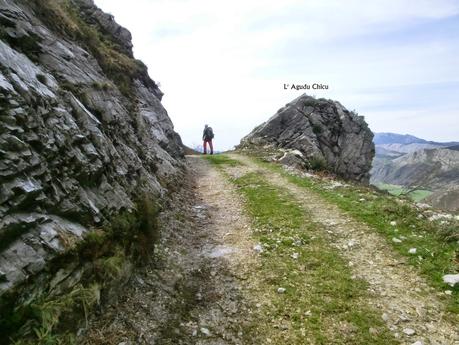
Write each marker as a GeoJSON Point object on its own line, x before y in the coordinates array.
{"type": "Point", "coordinates": [83, 135]}
{"type": "Point", "coordinates": [317, 133]}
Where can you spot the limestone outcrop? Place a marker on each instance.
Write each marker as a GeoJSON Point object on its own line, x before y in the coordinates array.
{"type": "Point", "coordinates": [317, 133]}
{"type": "Point", "coordinates": [83, 134]}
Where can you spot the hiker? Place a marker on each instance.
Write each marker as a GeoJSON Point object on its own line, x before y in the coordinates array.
{"type": "Point", "coordinates": [207, 137]}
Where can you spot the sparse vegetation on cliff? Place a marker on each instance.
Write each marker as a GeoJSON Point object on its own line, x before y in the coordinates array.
{"type": "Point", "coordinates": [50, 317]}
{"type": "Point", "coordinates": [64, 16]}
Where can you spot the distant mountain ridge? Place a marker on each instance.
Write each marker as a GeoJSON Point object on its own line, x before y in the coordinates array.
{"type": "Point", "coordinates": [406, 139]}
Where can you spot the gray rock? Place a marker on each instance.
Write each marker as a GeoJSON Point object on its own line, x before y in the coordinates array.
{"type": "Point", "coordinates": [205, 331]}
{"type": "Point", "coordinates": [319, 133]}
{"type": "Point", "coordinates": [74, 149]}
{"type": "Point", "coordinates": [409, 331]}
{"type": "Point", "coordinates": [451, 279]}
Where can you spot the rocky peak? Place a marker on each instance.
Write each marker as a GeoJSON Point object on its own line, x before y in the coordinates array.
{"type": "Point", "coordinates": [106, 24]}
{"type": "Point", "coordinates": [317, 133]}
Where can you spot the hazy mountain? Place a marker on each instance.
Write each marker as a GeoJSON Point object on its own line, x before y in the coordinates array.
{"type": "Point", "coordinates": [394, 145]}
{"type": "Point", "coordinates": [406, 139]}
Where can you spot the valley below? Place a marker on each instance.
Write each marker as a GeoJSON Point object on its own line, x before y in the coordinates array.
{"type": "Point", "coordinates": [426, 171]}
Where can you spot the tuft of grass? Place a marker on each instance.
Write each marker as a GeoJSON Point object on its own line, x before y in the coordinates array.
{"type": "Point", "coordinates": [42, 79]}
{"type": "Point", "coordinates": [101, 86]}
{"type": "Point", "coordinates": [317, 163]}
{"type": "Point", "coordinates": [222, 160]}
{"type": "Point", "coordinates": [317, 129]}
{"type": "Point", "coordinates": [48, 314]}
{"type": "Point", "coordinates": [111, 267]}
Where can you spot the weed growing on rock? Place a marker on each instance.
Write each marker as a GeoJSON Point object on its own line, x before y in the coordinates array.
{"type": "Point", "coordinates": [42, 79]}
{"type": "Point", "coordinates": [49, 312]}
{"type": "Point", "coordinates": [106, 252]}
{"type": "Point", "coordinates": [64, 17]}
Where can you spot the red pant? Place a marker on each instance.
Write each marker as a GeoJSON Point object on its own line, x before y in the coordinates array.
{"type": "Point", "coordinates": [210, 145]}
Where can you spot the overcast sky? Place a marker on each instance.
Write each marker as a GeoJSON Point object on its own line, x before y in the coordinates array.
{"type": "Point", "coordinates": [225, 63]}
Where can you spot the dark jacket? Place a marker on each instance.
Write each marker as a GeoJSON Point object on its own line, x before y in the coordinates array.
{"type": "Point", "coordinates": [208, 134]}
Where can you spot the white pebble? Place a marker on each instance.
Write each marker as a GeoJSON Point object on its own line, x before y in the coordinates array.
{"type": "Point", "coordinates": [205, 331]}
{"type": "Point", "coordinates": [451, 279]}
{"type": "Point", "coordinates": [258, 248]}
{"type": "Point", "coordinates": [412, 251]}
{"type": "Point", "coordinates": [281, 290]}
{"type": "Point", "coordinates": [396, 240]}
{"type": "Point", "coordinates": [409, 331]}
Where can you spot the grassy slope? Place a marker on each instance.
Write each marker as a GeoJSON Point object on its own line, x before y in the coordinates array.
{"type": "Point", "coordinates": [436, 243]}
{"type": "Point", "coordinates": [417, 195]}
{"type": "Point", "coordinates": [322, 304]}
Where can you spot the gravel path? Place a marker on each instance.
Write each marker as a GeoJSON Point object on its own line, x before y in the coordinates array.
{"type": "Point", "coordinates": [195, 294]}
{"type": "Point", "coordinates": [407, 303]}
{"type": "Point", "coordinates": [202, 287]}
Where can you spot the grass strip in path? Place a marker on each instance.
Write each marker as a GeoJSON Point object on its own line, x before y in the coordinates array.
{"type": "Point", "coordinates": [436, 243]}
{"type": "Point", "coordinates": [322, 303]}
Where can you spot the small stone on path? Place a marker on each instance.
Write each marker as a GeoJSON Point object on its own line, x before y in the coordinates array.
{"type": "Point", "coordinates": [258, 248]}
{"type": "Point", "coordinates": [451, 279]}
{"type": "Point", "coordinates": [409, 331]}
{"type": "Point", "coordinates": [205, 331]}
{"type": "Point", "coordinates": [281, 290]}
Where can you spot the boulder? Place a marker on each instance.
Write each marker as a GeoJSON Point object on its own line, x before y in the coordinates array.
{"type": "Point", "coordinates": [319, 134]}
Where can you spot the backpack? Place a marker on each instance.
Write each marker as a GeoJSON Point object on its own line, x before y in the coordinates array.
{"type": "Point", "coordinates": [209, 133]}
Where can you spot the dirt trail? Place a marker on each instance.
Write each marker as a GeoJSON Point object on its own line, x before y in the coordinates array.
{"type": "Point", "coordinates": [406, 301]}
{"type": "Point", "coordinates": [196, 292]}
{"type": "Point", "coordinates": [205, 269]}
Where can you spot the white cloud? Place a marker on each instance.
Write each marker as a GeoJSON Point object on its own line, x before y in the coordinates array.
{"type": "Point", "coordinates": [224, 63]}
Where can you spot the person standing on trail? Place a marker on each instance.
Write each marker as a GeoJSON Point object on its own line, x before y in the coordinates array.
{"type": "Point", "coordinates": [207, 137]}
